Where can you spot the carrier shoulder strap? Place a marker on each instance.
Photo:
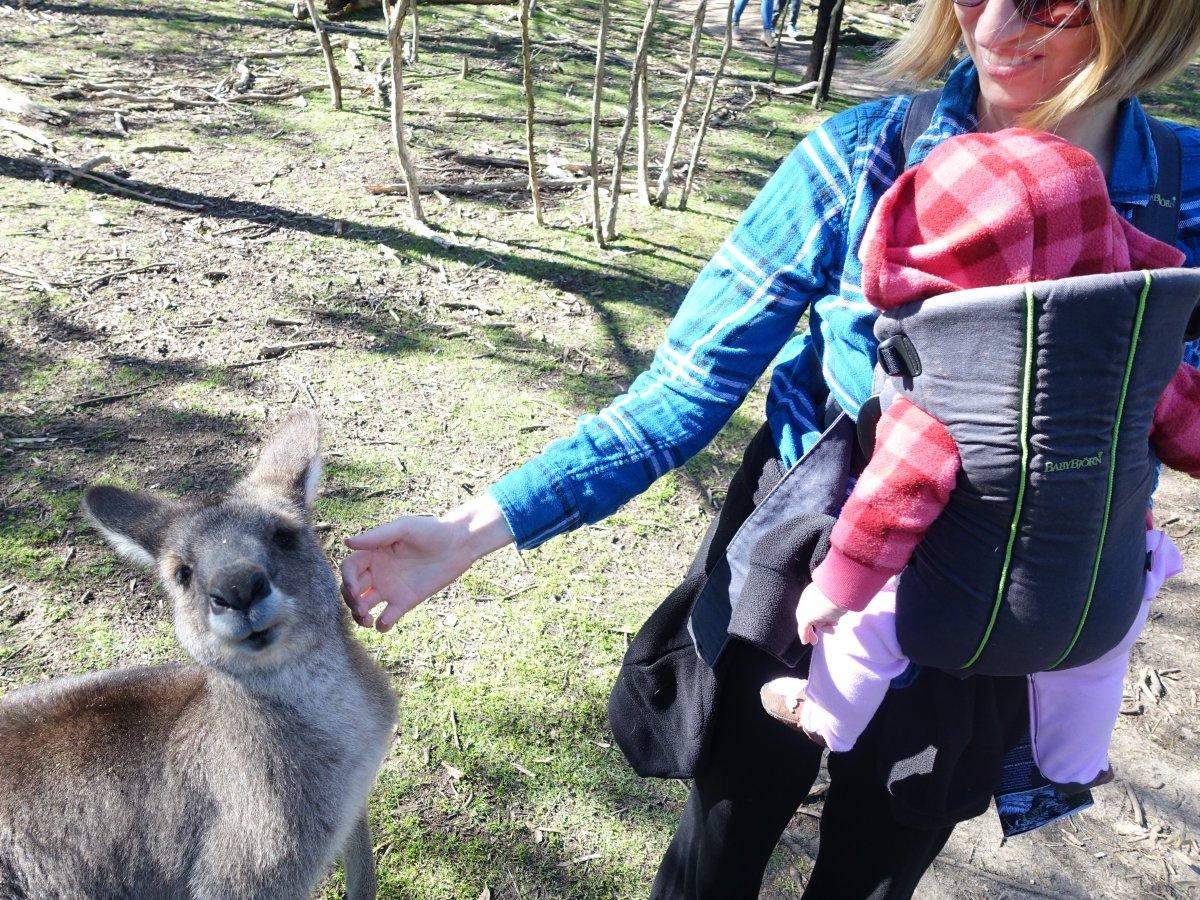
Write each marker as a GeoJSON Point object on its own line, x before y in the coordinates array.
{"type": "Point", "coordinates": [917, 118]}
{"type": "Point", "coordinates": [1160, 217]}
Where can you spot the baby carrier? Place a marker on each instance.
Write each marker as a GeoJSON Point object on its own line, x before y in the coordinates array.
{"type": "Point", "coordinates": [1049, 390]}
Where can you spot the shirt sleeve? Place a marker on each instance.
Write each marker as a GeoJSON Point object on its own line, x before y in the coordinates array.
{"type": "Point", "coordinates": [1175, 433]}
{"type": "Point", "coordinates": [904, 487]}
{"type": "Point", "coordinates": [741, 310]}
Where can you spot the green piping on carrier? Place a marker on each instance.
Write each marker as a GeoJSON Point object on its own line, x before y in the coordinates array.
{"type": "Point", "coordinates": [1112, 463]}
{"type": "Point", "coordinates": [1026, 389]}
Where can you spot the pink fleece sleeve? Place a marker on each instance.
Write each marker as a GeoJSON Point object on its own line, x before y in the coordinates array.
{"type": "Point", "coordinates": [1175, 433]}
{"type": "Point", "coordinates": [904, 487]}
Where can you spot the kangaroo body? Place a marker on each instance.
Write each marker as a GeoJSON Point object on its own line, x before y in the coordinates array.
{"type": "Point", "coordinates": [245, 776]}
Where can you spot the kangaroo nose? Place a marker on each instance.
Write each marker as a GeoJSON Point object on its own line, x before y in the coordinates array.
{"type": "Point", "coordinates": [238, 590]}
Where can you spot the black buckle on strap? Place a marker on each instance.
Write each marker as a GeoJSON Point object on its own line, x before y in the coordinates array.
{"type": "Point", "coordinates": [898, 357]}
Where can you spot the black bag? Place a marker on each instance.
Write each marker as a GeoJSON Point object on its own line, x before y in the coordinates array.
{"type": "Point", "coordinates": [761, 547]}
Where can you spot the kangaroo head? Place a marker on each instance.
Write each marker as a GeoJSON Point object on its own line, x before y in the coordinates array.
{"type": "Point", "coordinates": [251, 588]}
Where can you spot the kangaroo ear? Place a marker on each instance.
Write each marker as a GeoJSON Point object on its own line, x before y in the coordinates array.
{"type": "Point", "coordinates": [290, 463]}
{"type": "Point", "coordinates": [134, 522]}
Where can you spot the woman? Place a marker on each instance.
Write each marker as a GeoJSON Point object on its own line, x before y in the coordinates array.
{"type": "Point", "coordinates": [1068, 67]}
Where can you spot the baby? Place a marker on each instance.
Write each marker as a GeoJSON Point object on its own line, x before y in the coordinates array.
{"type": "Point", "coordinates": [1006, 208]}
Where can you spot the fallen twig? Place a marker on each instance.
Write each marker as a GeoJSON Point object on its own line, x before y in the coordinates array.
{"type": "Point", "coordinates": [101, 280]}
{"type": "Point", "coordinates": [30, 134]}
{"type": "Point", "coordinates": [162, 148]}
{"type": "Point", "coordinates": [279, 54]}
{"type": "Point", "coordinates": [108, 398]}
{"type": "Point", "coordinates": [19, 104]}
{"type": "Point", "coordinates": [271, 351]}
{"type": "Point", "coordinates": [118, 185]}
{"type": "Point", "coordinates": [483, 187]}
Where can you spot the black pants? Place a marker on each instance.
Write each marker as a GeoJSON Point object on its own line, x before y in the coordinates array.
{"type": "Point", "coordinates": [755, 776]}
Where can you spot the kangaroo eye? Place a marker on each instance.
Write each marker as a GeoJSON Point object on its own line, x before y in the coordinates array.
{"type": "Point", "coordinates": [183, 576]}
{"type": "Point", "coordinates": [286, 538]}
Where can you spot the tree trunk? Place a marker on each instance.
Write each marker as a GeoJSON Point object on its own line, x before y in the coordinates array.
{"type": "Point", "coordinates": [664, 178]}
{"type": "Point", "coordinates": [643, 156]}
{"type": "Point", "coordinates": [708, 105]}
{"type": "Point", "coordinates": [639, 63]}
{"type": "Point", "coordinates": [820, 33]}
{"type": "Point", "coordinates": [335, 81]}
{"type": "Point", "coordinates": [829, 57]}
{"type": "Point", "coordinates": [395, 27]}
{"type": "Point", "coordinates": [597, 89]}
{"type": "Point", "coordinates": [527, 69]}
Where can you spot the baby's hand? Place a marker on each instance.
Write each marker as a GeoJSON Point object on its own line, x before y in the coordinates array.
{"type": "Point", "coordinates": [815, 614]}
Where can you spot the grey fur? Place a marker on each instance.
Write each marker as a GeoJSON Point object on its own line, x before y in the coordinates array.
{"type": "Point", "coordinates": [244, 775]}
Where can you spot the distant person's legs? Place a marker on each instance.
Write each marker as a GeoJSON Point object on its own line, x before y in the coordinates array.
{"type": "Point", "coordinates": [768, 23]}
{"type": "Point", "coordinates": [791, 29]}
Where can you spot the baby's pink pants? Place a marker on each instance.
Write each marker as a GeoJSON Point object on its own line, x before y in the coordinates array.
{"type": "Point", "coordinates": [1071, 712]}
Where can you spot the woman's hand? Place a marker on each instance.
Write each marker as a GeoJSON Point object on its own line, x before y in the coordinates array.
{"type": "Point", "coordinates": [406, 561]}
{"type": "Point", "coordinates": [816, 614]}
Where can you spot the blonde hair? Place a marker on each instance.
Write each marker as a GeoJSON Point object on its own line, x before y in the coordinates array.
{"type": "Point", "coordinates": [1139, 44]}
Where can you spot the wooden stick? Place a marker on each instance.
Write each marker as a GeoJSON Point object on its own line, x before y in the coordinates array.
{"type": "Point", "coordinates": [118, 185]}
{"type": "Point", "coordinates": [416, 33]}
{"type": "Point", "coordinates": [279, 54]}
{"type": "Point", "coordinates": [597, 88]}
{"type": "Point", "coordinates": [643, 148]}
{"type": "Point", "coordinates": [395, 20]}
{"type": "Point", "coordinates": [708, 105]}
{"type": "Point", "coordinates": [527, 69]}
{"type": "Point", "coordinates": [30, 134]}
{"type": "Point", "coordinates": [664, 177]}
{"type": "Point", "coordinates": [335, 80]}
{"type": "Point", "coordinates": [540, 120]}
{"type": "Point", "coordinates": [505, 185]}
{"type": "Point", "coordinates": [639, 63]}
{"type": "Point", "coordinates": [270, 351]}
{"type": "Point", "coordinates": [97, 401]}
{"type": "Point", "coordinates": [101, 280]}
{"type": "Point", "coordinates": [20, 105]}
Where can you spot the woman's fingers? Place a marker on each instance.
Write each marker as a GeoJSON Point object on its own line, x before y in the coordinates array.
{"type": "Point", "coordinates": [391, 614]}
{"type": "Point", "coordinates": [380, 536]}
{"type": "Point", "coordinates": [358, 590]}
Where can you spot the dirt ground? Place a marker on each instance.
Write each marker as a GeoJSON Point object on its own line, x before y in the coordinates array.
{"type": "Point", "coordinates": [152, 340]}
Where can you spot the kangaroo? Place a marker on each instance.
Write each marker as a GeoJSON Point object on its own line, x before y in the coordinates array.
{"type": "Point", "coordinates": [241, 776]}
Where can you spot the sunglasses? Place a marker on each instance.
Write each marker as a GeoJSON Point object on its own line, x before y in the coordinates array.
{"type": "Point", "coordinates": [1047, 13]}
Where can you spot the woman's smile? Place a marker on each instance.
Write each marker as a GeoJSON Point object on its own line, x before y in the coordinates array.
{"type": "Point", "coordinates": [1006, 64]}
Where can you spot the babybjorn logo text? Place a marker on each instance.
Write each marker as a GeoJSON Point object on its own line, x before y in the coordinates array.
{"type": "Point", "coordinates": [1079, 462]}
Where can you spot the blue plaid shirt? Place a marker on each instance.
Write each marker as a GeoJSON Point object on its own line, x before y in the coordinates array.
{"type": "Point", "coordinates": [795, 251]}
